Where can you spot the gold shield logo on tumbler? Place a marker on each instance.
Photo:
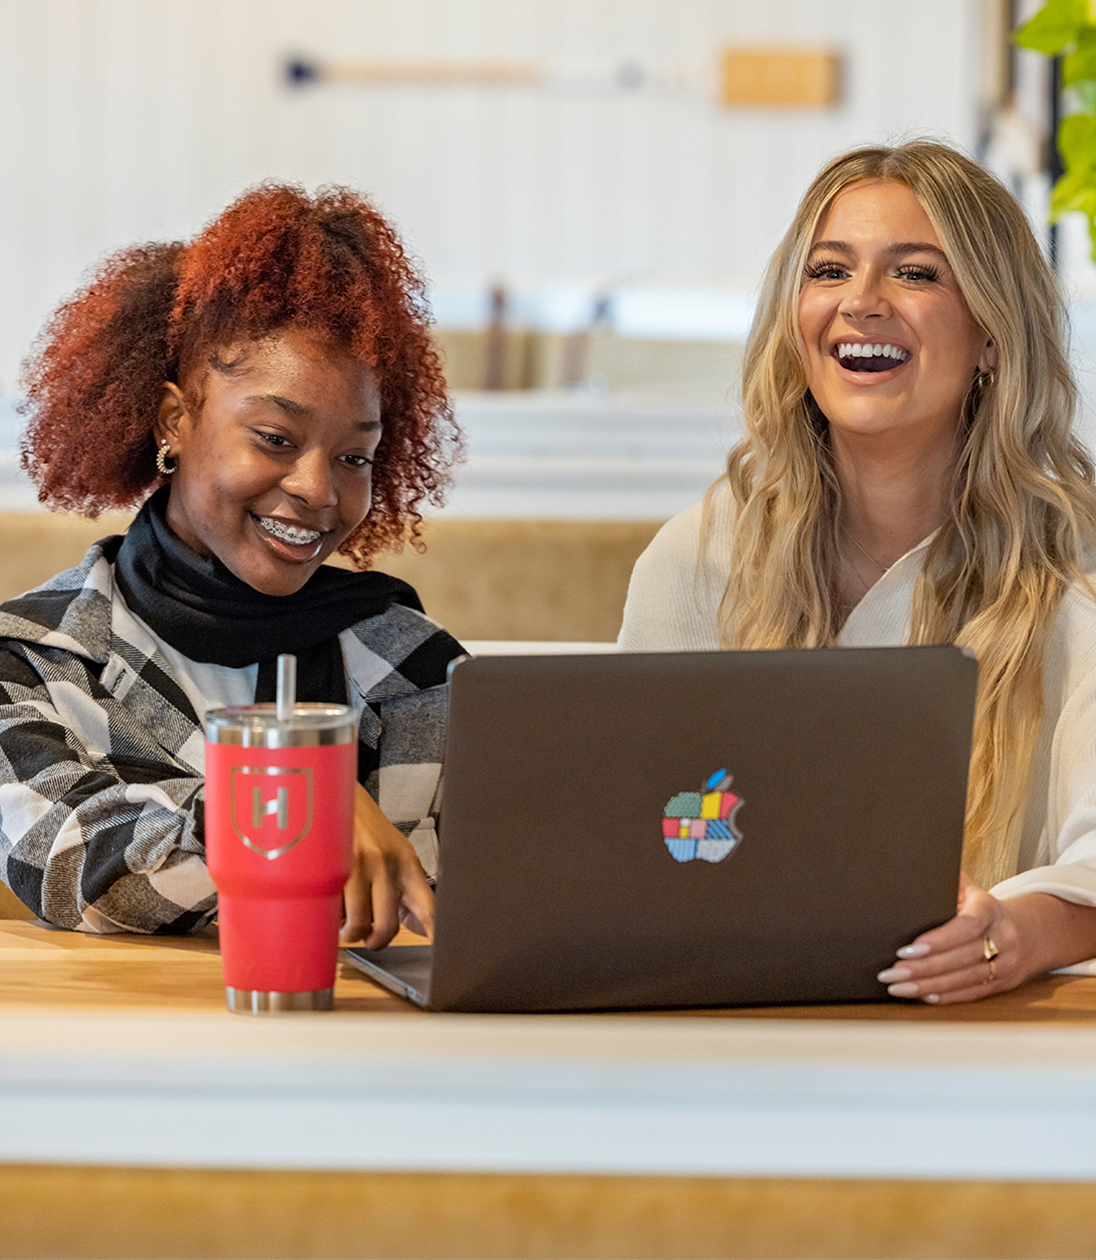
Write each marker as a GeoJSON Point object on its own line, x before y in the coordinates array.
{"type": "Point", "coordinates": [271, 807]}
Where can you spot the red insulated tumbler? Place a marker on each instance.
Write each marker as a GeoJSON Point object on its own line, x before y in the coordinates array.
{"type": "Point", "coordinates": [279, 817]}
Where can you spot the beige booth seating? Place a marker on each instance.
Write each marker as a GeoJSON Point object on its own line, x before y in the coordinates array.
{"type": "Point", "coordinates": [482, 579]}
{"type": "Point", "coordinates": [525, 579]}
{"type": "Point", "coordinates": [11, 907]}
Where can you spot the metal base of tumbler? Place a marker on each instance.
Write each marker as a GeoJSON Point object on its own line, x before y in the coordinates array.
{"type": "Point", "coordinates": [255, 1001]}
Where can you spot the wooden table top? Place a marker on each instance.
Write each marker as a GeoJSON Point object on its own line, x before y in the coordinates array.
{"type": "Point", "coordinates": [46, 967]}
{"type": "Point", "coordinates": [118, 1050]}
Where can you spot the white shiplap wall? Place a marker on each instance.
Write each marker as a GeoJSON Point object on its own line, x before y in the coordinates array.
{"type": "Point", "coordinates": [123, 120]}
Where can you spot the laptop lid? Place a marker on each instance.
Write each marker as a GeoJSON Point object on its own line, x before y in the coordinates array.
{"type": "Point", "coordinates": [725, 828]}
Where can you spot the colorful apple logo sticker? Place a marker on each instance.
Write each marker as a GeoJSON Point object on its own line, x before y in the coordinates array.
{"type": "Point", "coordinates": [701, 824]}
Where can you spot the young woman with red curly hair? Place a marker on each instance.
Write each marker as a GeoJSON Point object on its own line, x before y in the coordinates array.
{"type": "Point", "coordinates": [271, 393]}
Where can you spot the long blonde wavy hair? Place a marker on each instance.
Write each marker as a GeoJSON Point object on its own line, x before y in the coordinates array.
{"type": "Point", "coordinates": [1023, 524]}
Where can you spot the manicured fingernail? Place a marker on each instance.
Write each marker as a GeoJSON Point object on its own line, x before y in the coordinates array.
{"type": "Point", "coordinates": [904, 990]}
{"type": "Point", "coordinates": [894, 973]}
{"type": "Point", "coordinates": [913, 951]}
{"type": "Point", "coordinates": [932, 997]}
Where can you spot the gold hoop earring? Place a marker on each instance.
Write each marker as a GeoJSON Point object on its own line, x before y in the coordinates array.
{"type": "Point", "coordinates": [162, 453]}
{"type": "Point", "coordinates": [980, 385]}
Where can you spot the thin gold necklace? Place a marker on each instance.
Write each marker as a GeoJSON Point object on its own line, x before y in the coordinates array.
{"type": "Point", "coordinates": [883, 568]}
{"type": "Point", "coordinates": [865, 583]}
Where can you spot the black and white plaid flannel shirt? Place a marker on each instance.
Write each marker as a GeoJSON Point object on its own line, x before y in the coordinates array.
{"type": "Point", "coordinates": [101, 753]}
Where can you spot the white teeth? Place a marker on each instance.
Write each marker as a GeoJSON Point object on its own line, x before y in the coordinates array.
{"type": "Point", "coordinates": [289, 533]}
{"type": "Point", "coordinates": [856, 350]}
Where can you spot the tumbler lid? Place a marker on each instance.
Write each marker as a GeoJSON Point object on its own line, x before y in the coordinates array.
{"type": "Point", "coordinates": [258, 725]}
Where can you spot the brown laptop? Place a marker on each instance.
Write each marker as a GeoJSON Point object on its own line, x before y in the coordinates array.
{"type": "Point", "coordinates": [691, 829]}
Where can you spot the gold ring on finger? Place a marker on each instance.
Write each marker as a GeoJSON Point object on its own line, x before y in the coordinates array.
{"type": "Point", "coordinates": [989, 949]}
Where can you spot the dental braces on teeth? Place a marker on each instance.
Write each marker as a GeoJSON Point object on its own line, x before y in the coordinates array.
{"type": "Point", "coordinates": [300, 537]}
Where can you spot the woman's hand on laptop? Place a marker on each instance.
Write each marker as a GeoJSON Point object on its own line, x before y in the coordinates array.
{"type": "Point", "coordinates": [951, 963]}
{"type": "Point", "coordinates": [991, 946]}
{"type": "Point", "coordinates": [387, 885]}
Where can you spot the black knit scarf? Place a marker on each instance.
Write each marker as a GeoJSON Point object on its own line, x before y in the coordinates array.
{"type": "Point", "coordinates": [204, 611]}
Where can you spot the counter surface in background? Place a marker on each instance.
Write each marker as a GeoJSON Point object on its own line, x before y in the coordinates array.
{"type": "Point", "coordinates": [573, 454]}
{"type": "Point", "coordinates": [548, 454]}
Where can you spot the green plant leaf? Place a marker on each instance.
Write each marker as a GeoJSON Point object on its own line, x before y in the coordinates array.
{"type": "Point", "coordinates": [1055, 27]}
{"type": "Point", "coordinates": [1092, 234]}
{"type": "Point", "coordinates": [1080, 65]}
{"type": "Point", "coordinates": [1084, 94]}
{"type": "Point", "coordinates": [1077, 144]}
{"type": "Point", "coordinates": [1073, 192]}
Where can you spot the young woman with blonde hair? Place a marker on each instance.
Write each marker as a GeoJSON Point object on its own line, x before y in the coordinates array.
{"type": "Point", "coordinates": [910, 474]}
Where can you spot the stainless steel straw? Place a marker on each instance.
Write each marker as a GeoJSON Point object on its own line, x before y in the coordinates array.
{"type": "Point", "coordinates": [287, 686]}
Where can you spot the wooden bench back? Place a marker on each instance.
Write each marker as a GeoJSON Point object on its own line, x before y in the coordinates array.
{"type": "Point", "coordinates": [482, 579]}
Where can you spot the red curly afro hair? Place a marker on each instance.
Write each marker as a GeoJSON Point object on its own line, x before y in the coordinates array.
{"type": "Point", "coordinates": [275, 259]}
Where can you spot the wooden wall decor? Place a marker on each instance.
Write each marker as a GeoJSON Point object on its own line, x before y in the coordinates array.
{"type": "Point", "coordinates": [302, 70]}
{"type": "Point", "coordinates": [762, 76]}
{"type": "Point", "coordinates": [801, 78]}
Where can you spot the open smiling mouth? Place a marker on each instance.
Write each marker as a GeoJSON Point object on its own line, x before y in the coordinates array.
{"type": "Point", "coordinates": [290, 535]}
{"type": "Point", "coordinates": [876, 357]}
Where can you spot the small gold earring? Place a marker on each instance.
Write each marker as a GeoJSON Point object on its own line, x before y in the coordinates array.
{"type": "Point", "coordinates": [162, 453]}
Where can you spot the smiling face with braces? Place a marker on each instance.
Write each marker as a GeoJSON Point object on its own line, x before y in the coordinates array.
{"type": "Point", "coordinates": [888, 343]}
{"type": "Point", "coordinates": [274, 469]}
